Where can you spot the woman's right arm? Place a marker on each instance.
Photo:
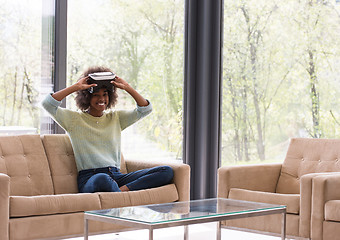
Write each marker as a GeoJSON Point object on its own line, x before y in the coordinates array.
{"type": "Point", "coordinates": [52, 103]}
{"type": "Point", "coordinates": [80, 85]}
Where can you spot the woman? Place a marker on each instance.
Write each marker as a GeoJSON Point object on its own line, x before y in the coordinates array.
{"type": "Point", "coordinates": [96, 135]}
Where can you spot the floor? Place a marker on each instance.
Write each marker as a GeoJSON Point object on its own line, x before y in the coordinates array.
{"type": "Point", "coordinates": [205, 231]}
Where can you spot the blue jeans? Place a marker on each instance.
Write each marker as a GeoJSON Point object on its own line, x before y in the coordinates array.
{"type": "Point", "coordinates": [110, 179]}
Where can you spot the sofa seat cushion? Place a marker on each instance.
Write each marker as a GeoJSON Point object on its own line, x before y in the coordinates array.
{"type": "Point", "coordinates": [332, 210]}
{"type": "Point", "coordinates": [21, 206]}
{"type": "Point", "coordinates": [292, 201]}
{"type": "Point", "coordinates": [164, 194]}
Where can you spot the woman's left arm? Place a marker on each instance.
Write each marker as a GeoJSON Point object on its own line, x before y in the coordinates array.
{"type": "Point", "coordinates": [122, 84]}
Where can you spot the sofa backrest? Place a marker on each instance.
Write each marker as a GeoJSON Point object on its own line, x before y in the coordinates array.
{"type": "Point", "coordinates": [63, 167]}
{"type": "Point", "coordinates": [23, 159]}
{"type": "Point", "coordinates": [307, 155]}
{"type": "Point", "coordinates": [62, 163]}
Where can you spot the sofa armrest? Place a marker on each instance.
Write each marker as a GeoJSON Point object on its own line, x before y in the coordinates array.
{"type": "Point", "coordinates": [181, 174]}
{"type": "Point", "coordinates": [262, 177]}
{"type": "Point", "coordinates": [4, 205]}
{"type": "Point", "coordinates": [325, 187]}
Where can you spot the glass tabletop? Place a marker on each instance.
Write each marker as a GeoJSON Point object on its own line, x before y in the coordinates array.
{"type": "Point", "coordinates": [177, 211]}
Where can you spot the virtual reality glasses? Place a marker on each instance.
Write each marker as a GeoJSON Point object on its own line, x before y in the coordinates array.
{"type": "Point", "coordinates": [102, 79]}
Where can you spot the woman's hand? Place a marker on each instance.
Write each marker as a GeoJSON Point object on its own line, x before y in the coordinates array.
{"type": "Point", "coordinates": [120, 83]}
{"type": "Point", "coordinates": [82, 83]}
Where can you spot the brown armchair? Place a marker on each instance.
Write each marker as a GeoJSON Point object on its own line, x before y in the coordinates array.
{"type": "Point", "coordinates": [289, 183]}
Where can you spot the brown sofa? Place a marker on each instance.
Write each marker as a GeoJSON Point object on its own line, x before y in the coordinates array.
{"type": "Point", "coordinates": [292, 183]}
{"type": "Point", "coordinates": [39, 198]}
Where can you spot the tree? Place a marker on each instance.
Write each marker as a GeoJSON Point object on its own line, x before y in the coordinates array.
{"type": "Point", "coordinates": [250, 55]}
{"type": "Point", "coordinates": [279, 75]}
{"type": "Point", "coordinates": [143, 42]}
{"type": "Point", "coordinates": [20, 64]}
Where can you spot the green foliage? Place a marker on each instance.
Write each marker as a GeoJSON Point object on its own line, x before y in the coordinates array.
{"type": "Point", "coordinates": [281, 68]}
{"type": "Point", "coordinates": [280, 72]}
{"type": "Point", "coordinates": [20, 63]}
{"type": "Point", "coordinates": [142, 41]}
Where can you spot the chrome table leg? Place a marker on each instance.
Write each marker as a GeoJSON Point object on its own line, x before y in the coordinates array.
{"type": "Point", "coordinates": [283, 226]}
{"type": "Point", "coordinates": [218, 233]}
{"type": "Point", "coordinates": [86, 229]}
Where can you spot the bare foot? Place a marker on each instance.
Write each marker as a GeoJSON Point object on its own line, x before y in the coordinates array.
{"type": "Point", "coordinates": [124, 188]}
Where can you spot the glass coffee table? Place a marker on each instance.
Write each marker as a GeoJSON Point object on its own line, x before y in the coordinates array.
{"type": "Point", "coordinates": [184, 213]}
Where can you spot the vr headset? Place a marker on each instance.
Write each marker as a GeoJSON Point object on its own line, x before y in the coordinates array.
{"type": "Point", "coordinates": [102, 79]}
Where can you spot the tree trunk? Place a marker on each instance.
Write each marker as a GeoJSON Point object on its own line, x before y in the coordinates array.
{"type": "Point", "coordinates": [168, 35]}
{"type": "Point", "coordinates": [21, 102]}
{"type": "Point", "coordinates": [168, 58]}
{"type": "Point", "coordinates": [314, 94]}
{"type": "Point", "coordinates": [32, 99]}
{"type": "Point", "coordinates": [236, 140]}
{"type": "Point", "coordinates": [136, 59]}
{"type": "Point", "coordinates": [245, 138]}
{"type": "Point", "coordinates": [253, 39]}
{"type": "Point", "coordinates": [5, 104]}
{"type": "Point", "coordinates": [14, 97]}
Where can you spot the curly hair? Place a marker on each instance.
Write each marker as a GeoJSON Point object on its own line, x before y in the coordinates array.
{"type": "Point", "coordinates": [83, 97]}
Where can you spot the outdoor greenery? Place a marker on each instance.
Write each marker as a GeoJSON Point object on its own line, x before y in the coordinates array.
{"type": "Point", "coordinates": [280, 76]}
{"type": "Point", "coordinates": [20, 63]}
{"type": "Point", "coordinates": [281, 67]}
{"type": "Point", "coordinates": [142, 41]}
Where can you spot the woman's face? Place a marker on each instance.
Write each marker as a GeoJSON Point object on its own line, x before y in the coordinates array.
{"type": "Point", "coordinates": [99, 102]}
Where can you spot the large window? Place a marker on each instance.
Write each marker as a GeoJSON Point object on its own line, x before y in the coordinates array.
{"type": "Point", "coordinates": [142, 41]}
{"type": "Point", "coordinates": [20, 66]}
{"type": "Point", "coordinates": [280, 76]}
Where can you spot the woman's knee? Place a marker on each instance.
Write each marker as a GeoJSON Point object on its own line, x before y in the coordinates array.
{"type": "Point", "coordinates": [101, 178]}
{"type": "Point", "coordinates": [104, 183]}
{"type": "Point", "coordinates": [168, 173]}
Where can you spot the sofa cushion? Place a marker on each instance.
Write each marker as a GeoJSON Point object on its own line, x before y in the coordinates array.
{"type": "Point", "coordinates": [307, 155]}
{"type": "Point", "coordinates": [332, 210]}
{"type": "Point", "coordinates": [61, 159]}
{"type": "Point", "coordinates": [292, 201]}
{"type": "Point", "coordinates": [22, 206]}
{"type": "Point", "coordinates": [164, 194]}
{"type": "Point", "coordinates": [122, 164]}
{"type": "Point", "coordinates": [58, 226]}
{"type": "Point", "coordinates": [23, 159]}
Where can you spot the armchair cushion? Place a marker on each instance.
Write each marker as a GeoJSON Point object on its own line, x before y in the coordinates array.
{"type": "Point", "coordinates": [260, 177]}
{"type": "Point", "coordinates": [307, 156]}
{"type": "Point", "coordinates": [292, 201]}
{"type": "Point", "coordinates": [332, 210]}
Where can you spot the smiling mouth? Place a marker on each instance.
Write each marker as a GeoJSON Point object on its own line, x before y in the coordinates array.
{"type": "Point", "coordinates": [101, 104]}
